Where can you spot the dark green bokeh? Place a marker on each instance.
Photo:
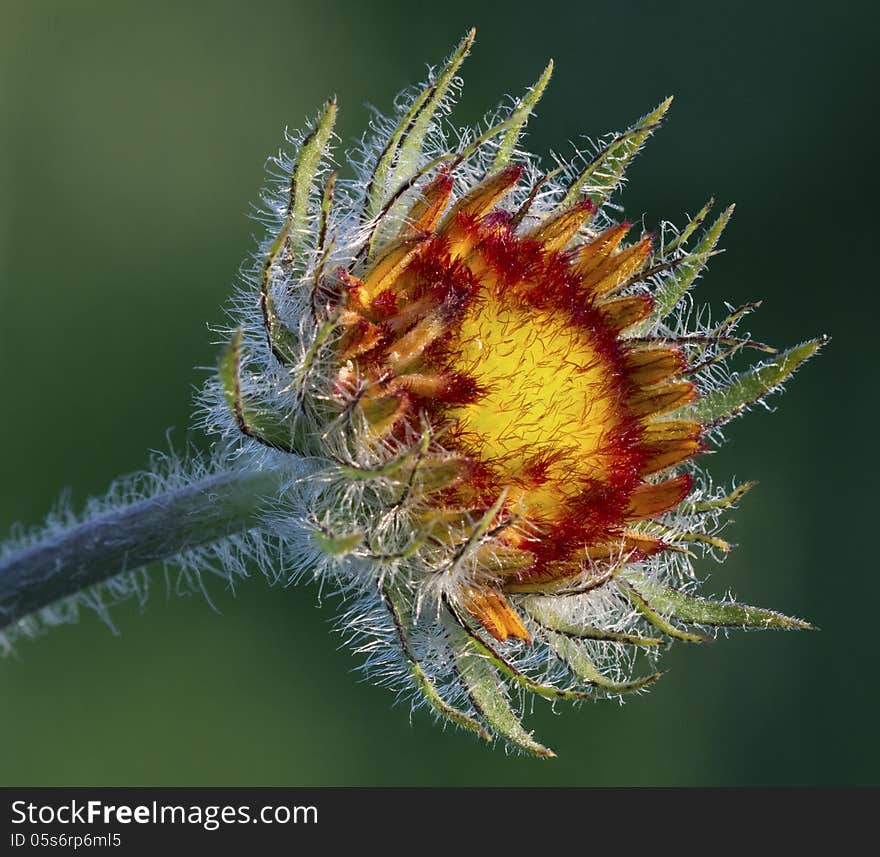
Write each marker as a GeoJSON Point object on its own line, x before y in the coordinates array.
{"type": "Point", "coordinates": [134, 135]}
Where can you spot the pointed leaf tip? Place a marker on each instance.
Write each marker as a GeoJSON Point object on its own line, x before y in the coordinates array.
{"type": "Point", "coordinates": [399, 159]}
{"type": "Point", "coordinates": [305, 168]}
{"type": "Point", "coordinates": [727, 501]}
{"type": "Point", "coordinates": [401, 613]}
{"type": "Point", "coordinates": [695, 610]}
{"type": "Point", "coordinates": [518, 119]}
{"type": "Point", "coordinates": [752, 386]}
{"type": "Point", "coordinates": [604, 172]}
{"type": "Point", "coordinates": [692, 225]}
{"type": "Point", "coordinates": [673, 289]}
{"type": "Point", "coordinates": [485, 689]}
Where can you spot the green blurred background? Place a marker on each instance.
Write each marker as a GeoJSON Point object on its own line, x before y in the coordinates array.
{"type": "Point", "coordinates": [133, 139]}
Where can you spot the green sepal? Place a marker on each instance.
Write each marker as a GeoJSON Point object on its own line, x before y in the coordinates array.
{"type": "Point", "coordinates": [401, 614]}
{"type": "Point", "coordinates": [380, 471]}
{"type": "Point", "coordinates": [255, 422]}
{"type": "Point", "coordinates": [485, 689]}
{"type": "Point", "coordinates": [651, 612]}
{"type": "Point", "coordinates": [679, 537]}
{"type": "Point", "coordinates": [478, 532]}
{"type": "Point", "coordinates": [540, 610]}
{"type": "Point", "coordinates": [706, 611]}
{"type": "Point", "coordinates": [674, 287]}
{"type": "Point", "coordinates": [282, 341]}
{"type": "Point", "coordinates": [692, 225]}
{"type": "Point", "coordinates": [336, 546]}
{"type": "Point", "coordinates": [305, 168]}
{"type": "Point", "coordinates": [518, 118]}
{"type": "Point", "coordinates": [725, 502]}
{"type": "Point", "coordinates": [399, 159]}
{"type": "Point", "coordinates": [573, 655]}
{"type": "Point", "coordinates": [326, 207]}
{"type": "Point", "coordinates": [603, 174]}
{"type": "Point", "coordinates": [322, 336]}
{"type": "Point", "coordinates": [290, 239]}
{"type": "Point", "coordinates": [747, 388]}
{"type": "Point", "coordinates": [510, 671]}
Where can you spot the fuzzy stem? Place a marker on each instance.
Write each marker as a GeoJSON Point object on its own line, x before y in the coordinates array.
{"type": "Point", "coordinates": [125, 539]}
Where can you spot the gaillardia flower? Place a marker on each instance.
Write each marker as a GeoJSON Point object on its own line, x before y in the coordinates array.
{"type": "Point", "coordinates": [459, 389]}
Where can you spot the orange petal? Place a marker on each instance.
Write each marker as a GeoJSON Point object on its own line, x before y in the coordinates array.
{"type": "Point", "coordinates": [648, 501]}
{"type": "Point", "coordinates": [493, 612]}
{"type": "Point", "coordinates": [668, 443]}
{"type": "Point", "coordinates": [591, 255]}
{"type": "Point", "coordinates": [661, 400]}
{"type": "Point", "coordinates": [642, 544]}
{"type": "Point", "coordinates": [410, 346]}
{"type": "Point", "coordinates": [445, 386]}
{"type": "Point", "coordinates": [615, 270]}
{"type": "Point", "coordinates": [557, 231]}
{"type": "Point", "coordinates": [428, 386]}
{"type": "Point", "coordinates": [483, 197]}
{"type": "Point", "coordinates": [389, 266]}
{"type": "Point", "coordinates": [408, 315]}
{"type": "Point", "coordinates": [648, 366]}
{"type": "Point", "coordinates": [354, 294]}
{"type": "Point", "coordinates": [672, 453]}
{"type": "Point", "coordinates": [360, 336]}
{"type": "Point", "coordinates": [622, 313]}
{"type": "Point", "coordinates": [428, 209]}
{"type": "Point", "coordinates": [553, 577]}
{"type": "Point", "coordinates": [638, 543]}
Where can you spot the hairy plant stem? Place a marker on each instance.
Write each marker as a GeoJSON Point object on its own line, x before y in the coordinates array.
{"type": "Point", "coordinates": [128, 538]}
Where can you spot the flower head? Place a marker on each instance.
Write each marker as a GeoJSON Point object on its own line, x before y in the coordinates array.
{"type": "Point", "coordinates": [498, 395]}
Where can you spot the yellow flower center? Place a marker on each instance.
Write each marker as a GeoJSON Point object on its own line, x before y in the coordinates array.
{"type": "Point", "coordinates": [547, 398]}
